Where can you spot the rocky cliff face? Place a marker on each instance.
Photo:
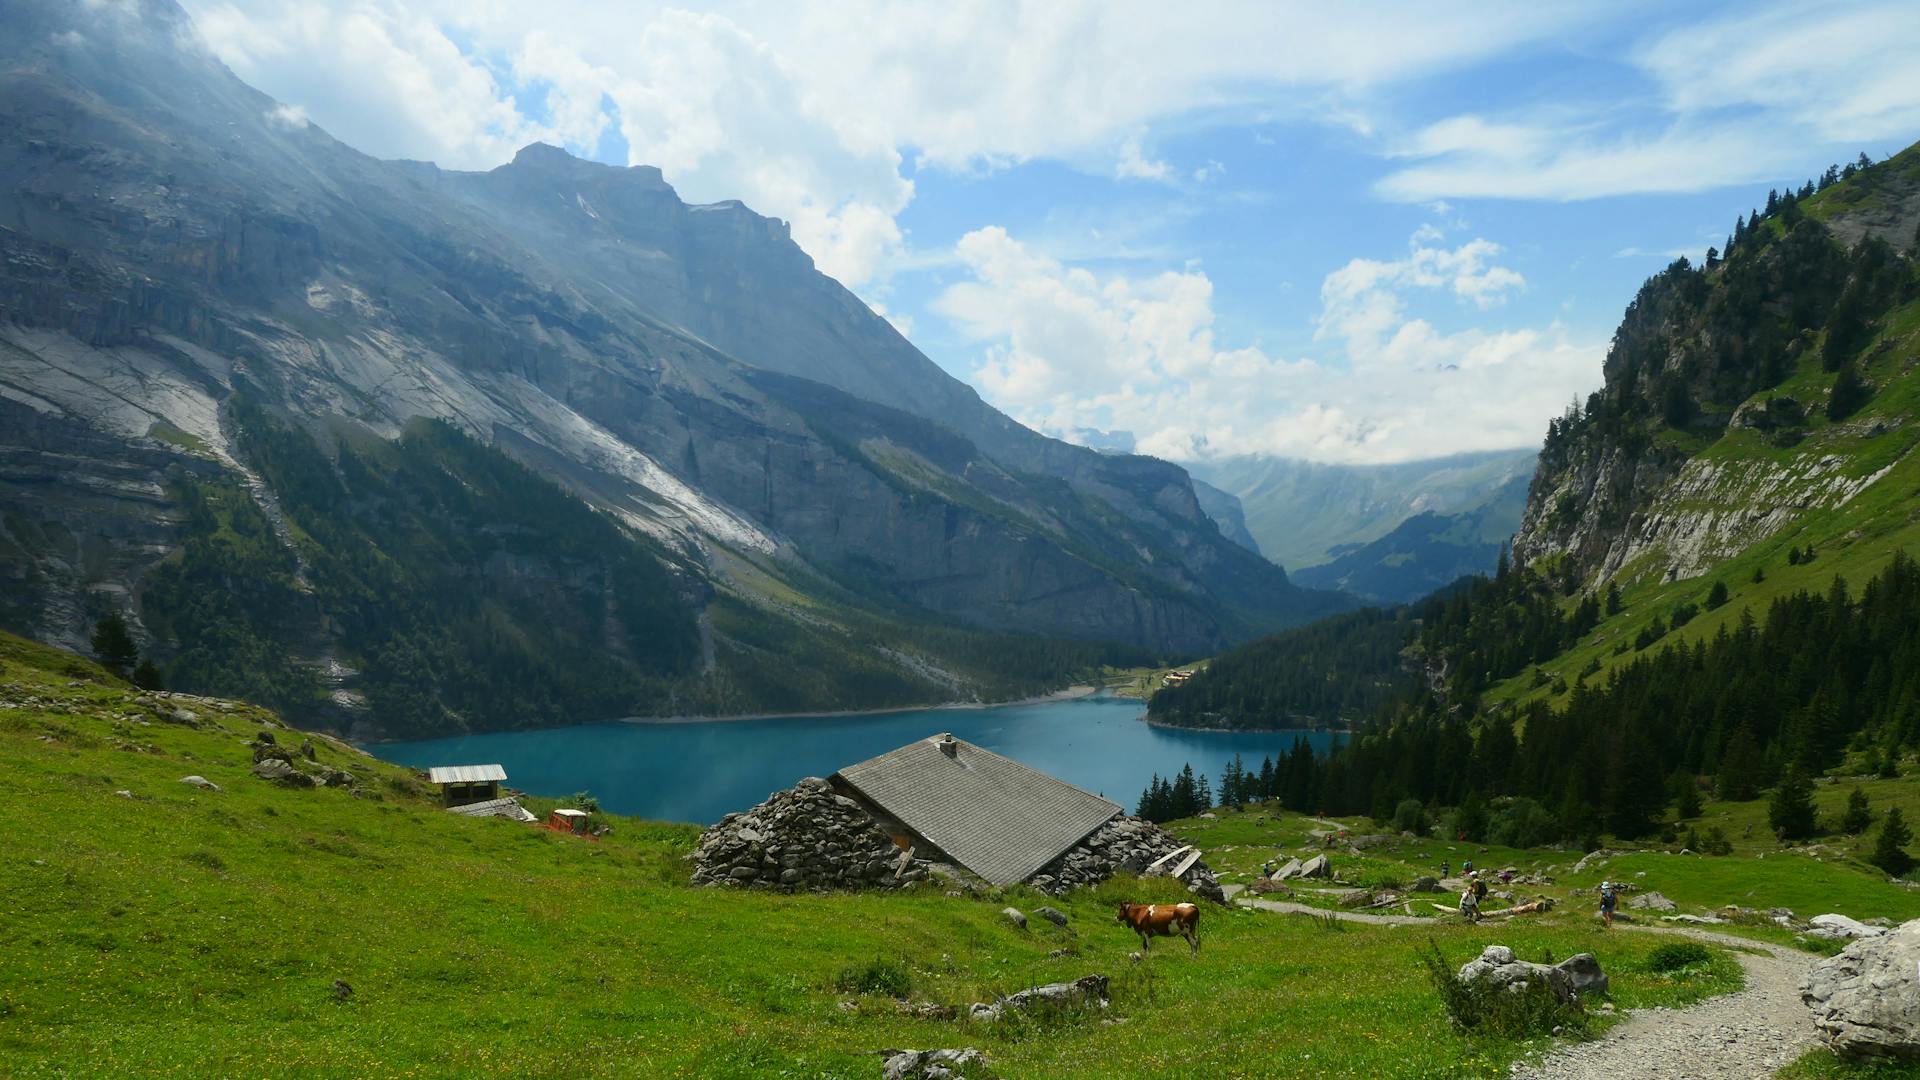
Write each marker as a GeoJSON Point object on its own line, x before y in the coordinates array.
{"type": "Point", "coordinates": [169, 243]}
{"type": "Point", "coordinates": [1717, 426]}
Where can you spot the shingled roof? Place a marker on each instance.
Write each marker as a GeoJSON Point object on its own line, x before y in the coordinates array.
{"type": "Point", "coordinates": [990, 814]}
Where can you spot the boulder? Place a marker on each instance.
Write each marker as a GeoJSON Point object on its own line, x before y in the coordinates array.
{"type": "Point", "coordinates": [1840, 928]}
{"type": "Point", "coordinates": [1316, 867]}
{"type": "Point", "coordinates": [1426, 883]}
{"type": "Point", "coordinates": [1570, 979]}
{"type": "Point", "coordinates": [1052, 915]}
{"type": "Point", "coordinates": [281, 771]}
{"type": "Point", "coordinates": [1866, 1000]}
{"type": "Point", "coordinates": [1593, 859]}
{"type": "Point", "coordinates": [1652, 901]}
{"type": "Point", "coordinates": [932, 1064]}
{"type": "Point", "coordinates": [1088, 990]}
{"type": "Point", "coordinates": [1289, 871]}
{"type": "Point", "coordinates": [199, 781]}
{"type": "Point", "coordinates": [1015, 916]}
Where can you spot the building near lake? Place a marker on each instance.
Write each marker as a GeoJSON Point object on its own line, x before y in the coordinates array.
{"type": "Point", "coordinates": [464, 785]}
{"type": "Point", "coordinates": [952, 801]}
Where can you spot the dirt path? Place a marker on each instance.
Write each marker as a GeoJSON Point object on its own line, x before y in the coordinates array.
{"type": "Point", "coordinates": [1751, 1033]}
{"type": "Point", "coordinates": [1739, 1036]}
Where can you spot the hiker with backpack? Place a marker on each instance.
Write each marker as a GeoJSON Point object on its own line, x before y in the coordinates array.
{"type": "Point", "coordinates": [1608, 898]}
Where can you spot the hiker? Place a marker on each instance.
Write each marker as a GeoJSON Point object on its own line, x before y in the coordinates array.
{"type": "Point", "coordinates": [1466, 866]}
{"type": "Point", "coordinates": [1446, 866]}
{"type": "Point", "coordinates": [1469, 904]}
{"type": "Point", "coordinates": [1608, 898]}
{"type": "Point", "coordinates": [1479, 886]}
{"type": "Point", "coordinates": [1266, 870]}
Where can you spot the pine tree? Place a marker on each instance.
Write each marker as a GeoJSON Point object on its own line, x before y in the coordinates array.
{"type": "Point", "coordinates": [1858, 815]}
{"type": "Point", "coordinates": [147, 676]}
{"type": "Point", "coordinates": [1686, 796]}
{"type": "Point", "coordinates": [1613, 598]}
{"type": "Point", "coordinates": [1850, 392]}
{"type": "Point", "coordinates": [1890, 852]}
{"type": "Point", "coordinates": [114, 645]}
{"type": "Point", "coordinates": [1790, 812]}
{"type": "Point", "coordinates": [1716, 596]}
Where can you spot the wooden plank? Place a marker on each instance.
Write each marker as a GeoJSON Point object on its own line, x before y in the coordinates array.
{"type": "Point", "coordinates": [1174, 854]}
{"type": "Point", "coordinates": [1186, 864]}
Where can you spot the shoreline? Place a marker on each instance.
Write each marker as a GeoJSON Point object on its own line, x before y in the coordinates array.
{"type": "Point", "coordinates": [1244, 731]}
{"type": "Point", "coordinates": [1070, 693]}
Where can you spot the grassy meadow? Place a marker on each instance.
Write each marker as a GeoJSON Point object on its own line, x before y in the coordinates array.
{"type": "Point", "coordinates": [175, 931]}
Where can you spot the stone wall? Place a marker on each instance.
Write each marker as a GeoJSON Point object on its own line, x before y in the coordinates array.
{"type": "Point", "coordinates": [1125, 843]}
{"type": "Point", "coordinates": [806, 837]}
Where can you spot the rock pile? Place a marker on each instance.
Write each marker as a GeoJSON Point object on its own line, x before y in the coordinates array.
{"type": "Point", "coordinates": [933, 1064]}
{"type": "Point", "coordinates": [1866, 1000]}
{"type": "Point", "coordinates": [1090, 990]}
{"type": "Point", "coordinates": [1125, 843]}
{"type": "Point", "coordinates": [1570, 979]}
{"type": "Point", "coordinates": [806, 837]}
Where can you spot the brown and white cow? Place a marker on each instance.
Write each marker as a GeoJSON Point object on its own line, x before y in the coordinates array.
{"type": "Point", "coordinates": [1163, 920]}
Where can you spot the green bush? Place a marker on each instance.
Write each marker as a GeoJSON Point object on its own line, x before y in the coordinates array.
{"type": "Point", "coordinates": [1483, 1009]}
{"type": "Point", "coordinates": [1675, 955]}
{"type": "Point", "coordinates": [878, 976]}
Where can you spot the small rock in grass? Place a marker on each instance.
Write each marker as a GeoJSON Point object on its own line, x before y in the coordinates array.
{"type": "Point", "coordinates": [1052, 915]}
{"type": "Point", "coordinates": [199, 781]}
{"type": "Point", "coordinates": [1015, 916]}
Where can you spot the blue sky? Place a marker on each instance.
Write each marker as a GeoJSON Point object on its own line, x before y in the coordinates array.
{"type": "Point", "coordinates": [1362, 232]}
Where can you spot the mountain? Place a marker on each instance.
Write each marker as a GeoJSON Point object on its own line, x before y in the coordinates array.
{"type": "Point", "coordinates": [289, 408]}
{"type": "Point", "coordinates": [1714, 582]}
{"type": "Point", "coordinates": [1424, 552]}
{"type": "Point", "coordinates": [1305, 513]}
{"type": "Point", "coordinates": [1227, 514]}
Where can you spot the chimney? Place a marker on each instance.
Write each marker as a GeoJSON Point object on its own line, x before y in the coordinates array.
{"type": "Point", "coordinates": [949, 747]}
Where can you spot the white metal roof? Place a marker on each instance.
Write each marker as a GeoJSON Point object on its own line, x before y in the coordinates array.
{"type": "Point", "coordinates": [465, 774]}
{"type": "Point", "coordinates": [570, 812]}
{"type": "Point", "coordinates": [506, 808]}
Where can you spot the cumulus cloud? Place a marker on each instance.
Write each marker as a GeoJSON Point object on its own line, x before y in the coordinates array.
{"type": "Point", "coordinates": [804, 110]}
{"type": "Point", "coordinates": [1068, 350]}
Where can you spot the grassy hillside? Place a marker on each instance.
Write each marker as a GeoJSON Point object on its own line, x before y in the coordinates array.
{"type": "Point", "coordinates": [178, 931]}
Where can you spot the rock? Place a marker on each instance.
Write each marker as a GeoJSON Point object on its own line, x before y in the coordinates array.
{"type": "Point", "coordinates": [270, 752]}
{"type": "Point", "coordinates": [1695, 920]}
{"type": "Point", "coordinates": [1568, 979]}
{"type": "Point", "coordinates": [341, 990]}
{"type": "Point", "coordinates": [1052, 915]}
{"type": "Point", "coordinates": [1866, 1000]}
{"type": "Point", "coordinates": [1652, 901]}
{"type": "Point", "coordinates": [200, 782]}
{"type": "Point", "coordinates": [281, 771]}
{"type": "Point", "coordinates": [306, 750]}
{"type": "Point", "coordinates": [332, 777]}
{"type": "Point", "coordinates": [1356, 898]}
{"type": "Point", "coordinates": [1840, 928]}
{"type": "Point", "coordinates": [1591, 858]}
{"type": "Point", "coordinates": [932, 1064]}
{"type": "Point", "coordinates": [1426, 883]}
{"type": "Point", "coordinates": [124, 794]}
{"type": "Point", "coordinates": [1088, 990]}
{"type": "Point", "coordinates": [804, 837]}
{"type": "Point", "coordinates": [1015, 917]}
{"type": "Point", "coordinates": [1316, 867]}
{"type": "Point", "coordinates": [1209, 816]}
{"type": "Point", "coordinates": [1289, 871]}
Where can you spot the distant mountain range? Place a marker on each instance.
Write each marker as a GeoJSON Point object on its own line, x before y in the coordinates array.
{"type": "Point", "coordinates": [284, 405]}
{"type": "Point", "coordinates": [1386, 533]}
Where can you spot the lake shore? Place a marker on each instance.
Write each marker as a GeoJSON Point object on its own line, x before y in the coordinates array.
{"type": "Point", "coordinates": [1070, 693]}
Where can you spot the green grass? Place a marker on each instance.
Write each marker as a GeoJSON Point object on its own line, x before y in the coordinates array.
{"type": "Point", "coordinates": [185, 932]}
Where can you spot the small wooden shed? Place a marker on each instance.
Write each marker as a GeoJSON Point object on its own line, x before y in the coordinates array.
{"type": "Point", "coordinates": [463, 784]}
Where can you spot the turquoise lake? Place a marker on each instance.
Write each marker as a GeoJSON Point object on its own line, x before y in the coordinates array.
{"type": "Point", "coordinates": [702, 771]}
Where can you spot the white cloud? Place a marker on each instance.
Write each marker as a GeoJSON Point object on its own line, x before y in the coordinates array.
{"type": "Point", "coordinates": [803, 110]}
{"type": "Point", "coordinates": [1068, 350]}
{"type": "Point", "coordinates": [290, 117]}
{"type": "Point", "coordinates": [1134, 164]}
{"type": "Point", "coordinates": [1738, 99]}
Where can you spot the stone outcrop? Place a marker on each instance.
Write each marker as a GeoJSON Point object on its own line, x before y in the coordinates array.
{"type": "Point", "coordinates": [1124, 844]}
{"type": "Point", "coordinates": [1089, 990]}
{"type": "Point", "coordinates": [1570, 980]}
{"type": "Point", "coordinates": [1840, 928]}
{"type": "Point", "coordinates": [1866, 1000]}
{"type": "Point", "coordinates": [952, 1064]}
{"type": "Point", "coordinates": [806, 837]}
{"type": "Point", "coordinates": [1652, 901]}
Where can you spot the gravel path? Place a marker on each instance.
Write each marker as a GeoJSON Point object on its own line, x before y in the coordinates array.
{"type": "Point", "coordinates": [1736, 1036]}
